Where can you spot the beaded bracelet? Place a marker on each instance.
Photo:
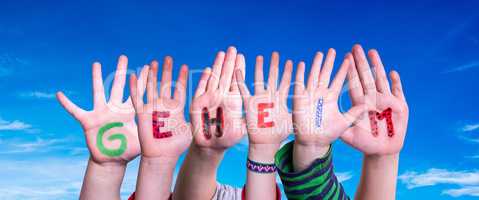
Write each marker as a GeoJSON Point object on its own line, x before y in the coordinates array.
{"type": "Point", "coordinates": [260, 167]}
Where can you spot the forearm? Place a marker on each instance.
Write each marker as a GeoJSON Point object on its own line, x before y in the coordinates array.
{"type": "Point", "coordinates": [102, 181]}
{"type": "Point", "coordinates": [155, 177]}
{"type": "Point", "coordinates": [379, 177]}
{"type": "Point", "coordinates": [305, 154]}
{"type": "Point", "coordinates": [197, 177]}
{"type": "Point", "coordinates": [261, 185]}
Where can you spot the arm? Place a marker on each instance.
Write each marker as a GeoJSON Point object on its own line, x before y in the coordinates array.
{"type": "Point", "coordinates": [102, 181]}
{"type": "Point", "coordinates": [163, 132]}
{"type": "Point", "coordinates": [197, 177]}
{"type": "Point", "coordinates": [378, 177]}
{"type": "Point", "coordinates": [305, 165]}
{"type": "Point", "coordinates": [215, 115]}
{"type": "Point", "coordinates": [268, 123]}
{"type": "Point", "coordinates": [380, 135]}
{"type": "Point", "coordinates": [110, 132]}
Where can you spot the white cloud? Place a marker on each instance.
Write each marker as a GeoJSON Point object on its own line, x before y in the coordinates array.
{"type": "Point", "coordinates": [51, 178]}
{"type": "Point", "coordinates": [470, 191]}
{"type": "Point", "coordinates": [15, 125]}
{"type": "Point", "coordinates": [467, 66]}
{"type": "Point", "coordinates": [467, 180]}
{"type": "Point", "coordinates": [39, 145]}
{"type": "Point", "coordinates": [344, 176]}
{"type": "Point", "coordinates": [38, 95]}
{"type": "Point", "coordinates": [470, 127]}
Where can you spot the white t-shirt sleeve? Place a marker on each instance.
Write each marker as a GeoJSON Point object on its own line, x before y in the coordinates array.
{"type": "Point", "coordinates": [227, 192]}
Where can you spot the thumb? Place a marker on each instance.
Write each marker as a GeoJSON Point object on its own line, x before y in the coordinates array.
{"type": "Point", "coordinates": [355, 113]}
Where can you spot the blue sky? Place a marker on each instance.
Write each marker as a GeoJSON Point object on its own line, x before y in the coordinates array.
{"type": "Point", "coordinates": [49, 46]}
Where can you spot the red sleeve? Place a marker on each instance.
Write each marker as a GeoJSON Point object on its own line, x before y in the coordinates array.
{"type": "Point", "coordinates": [278, 193]}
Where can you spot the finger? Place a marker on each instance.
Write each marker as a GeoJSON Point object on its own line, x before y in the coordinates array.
{"type": "Point", "coordinates": [327, 68]}
{"type": "Point", "coordinates": [364, 71]}
{"type": "Point", "coordinates": [166, 76]}
{"type": "Point", "coordinates": [273, 72]}
{"type": "Point", "coordinates": [240, 65]}
{"type": "Point", "coordinates": [119, 82]}
{"type": "Point", "coordinates": [214, 78]}
{"type": "Point", "coordinates": [202, 83]}
{"type": "Point", "coordinates": [299, 80]}
{"type": "Point", "coordinates": [242, 87]}
{"type": "Point", "coordinates": [227, 70]}
{"type": "Point", "coordinates": [338, 80]}
{"type": "Point", "coordinates": [180, 87]}
{"type": "Point", "coordinates": [382, 83]}
{"type": "Point", "coordinates": [355, 88]}
{"type": "Point", "coordinates": [397, 85]}
{"type": "Point", "coordinates": [142, 80]}
{"type": "Point", "coordinates": [348, 136]}
{"type": "Point", "coordinates": [135, 98]}
{"type": "Point", "coordinates": [98, 88]}
{"type": "Point", "coordinates": [151, 86]}
{"type": "Point", "coordinates": [70, 107]}
{"type": "Point", "coordinates": [286, 79]}
{"type": "Point", "coordinates": [258, 76]}
{"type": "Point", "coordinates": [314, 73]}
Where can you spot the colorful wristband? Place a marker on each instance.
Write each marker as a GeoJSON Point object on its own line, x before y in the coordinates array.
{"type": "Point", "coordinates": [260, 167]}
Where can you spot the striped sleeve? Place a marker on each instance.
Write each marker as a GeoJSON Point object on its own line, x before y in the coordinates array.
{"type": "Point", "coordinates": [316, 182]}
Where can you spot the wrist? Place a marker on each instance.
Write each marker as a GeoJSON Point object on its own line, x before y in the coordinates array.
{"type": "Point", "coordinates": [107, 166]}
{"type": "Point", "coordinates": [107, 172]}
{"type": "Point", "coordinates": [262, 152]}
{"type": "Point", "coordinates": [381, 160]}
{"type": "Point", "coordinates": [305, 154]}
{"type": "Point", "coordinates": [158, 162]}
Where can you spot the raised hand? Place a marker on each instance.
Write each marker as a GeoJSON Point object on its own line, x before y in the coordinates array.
{"type": "Point", "coordinates": [382, 130]}
{"type": "Point", "coordinates": [267, 116]}
{"type": "Point", "coordinates": [216, 123]}
{"type": "Point", "coordinates": [110, 129]}
{"type": "Point", "coordinates": [316, 115]}
{"type": "Point", "coordinates": [216, 108]}
{"type": "Point", "coordinates": [164, 134]}
{"type": "Point", "coordinates": [268, 122]}
{"type": "Point", "coordinates": [163, 130]}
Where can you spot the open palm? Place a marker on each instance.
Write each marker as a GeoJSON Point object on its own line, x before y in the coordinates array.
{"type": "Point", "coordinates": [216, 108]}
{"type": "Point", "coordinates": [267, 116]}
{"type": "Point", "coordinates": [376, 133]}
{"type": "Point", "coordinates": [316, 115]}
{"type": "Point", "coordinates": [163, 130]}
{"type": "Point", "coordinates": [110, 129]}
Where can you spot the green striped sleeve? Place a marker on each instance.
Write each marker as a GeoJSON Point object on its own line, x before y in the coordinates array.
{"type": "Point", "coordinates": [316, 182]}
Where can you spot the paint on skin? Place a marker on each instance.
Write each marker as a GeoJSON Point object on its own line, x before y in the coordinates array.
{"type": "Point", "coordinates": [205, 119]}
{"type": "Point", "coordinates": [219, 123]}
{"type": "Point", "coordinates": [386, 114]}
{"type": "Point", "coordinates": [207, 122]}
{"type": "Point", "coordinates": [116, 136]}
{"type": "Point", "coordinates": [262, 114]}
{"type": "Point", "coordinates": [318, 115]}
{"type": "Point", "coordinates": [158, 124]}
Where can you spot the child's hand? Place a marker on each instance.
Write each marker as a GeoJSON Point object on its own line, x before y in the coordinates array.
{"type": "Point", "coordinates": [382, 130]}
{"type": "Point", "coordinates": [110, 129]}
{"type": "Point", "coordinates": [163, 130]}
{"type": "Point", "coordinates": [216, 108]}
{"type": "Point", "coordinates": [316, 116]}
{"type": "Point", "coordinates": [267, 116]}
